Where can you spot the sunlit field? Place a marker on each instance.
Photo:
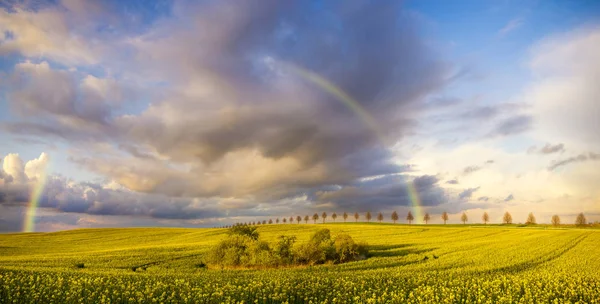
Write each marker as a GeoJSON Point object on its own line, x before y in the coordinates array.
{"type": "Point", "coordinates": [407, 264]}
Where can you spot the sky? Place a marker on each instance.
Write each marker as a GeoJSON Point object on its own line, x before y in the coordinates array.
{"type": "Point", "coordinates": [208, 113]}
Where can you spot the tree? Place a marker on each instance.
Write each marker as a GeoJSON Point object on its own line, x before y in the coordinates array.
{"type": "Point", "coordinates": [394, 216]}
{"type": "Point", "coordinates": [555, 220]}
{"type": "Point", "coordinates": [380, 217]}
{"type": "Point", "coordinates": [324, 216]}
{"type": "Point", "coordinates": [445, 217]}
{"type": "Point", "coordinates": [464, 218]}
{"type": "Point", "coordinates": [356, 216]}
{"type": "Point", "coordinates": [277, 220]}
{"type": "Point", "coordinates": [334, 216]}
{"type": "Point", "coordinates": [507, 219]}
{"type": "Point", "coordinates": [298, 219]}
{"type": "Point", "coordinates": [580, 220]}
{"type": "Point", "coordinates": [284, 220]}
{"type": "Point", "coordinates": [410, 217]}
{"type": "Point", "coordinates": [368, 216]}
{"type": "Point", "coordinates": [306, 218]}
{"type": "Point", "coordinates": [270, 221]}
{"type": "Point", "coordinates": [291, 219]}
{"type": "Point", "coordinates": [426, 218]}
{"type": "Point", "coordinates": [264, 222]}
{"type": "Point", "coordinates": [315, 217]}
{"type": "Point", "coordinates": [485, 218]}
{"type": "Point", "coordinates": [530, 219]}
{"type": "Point", "coordinates": [345, 216]}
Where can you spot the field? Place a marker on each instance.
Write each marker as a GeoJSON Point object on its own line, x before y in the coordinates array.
{"type": "Point", "coordinates": [408, 264]}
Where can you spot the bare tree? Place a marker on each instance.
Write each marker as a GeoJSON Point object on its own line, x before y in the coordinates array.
{"type": "Point", "coordinates": [395, 216]}
{"type": "Point", "coordinates": [345, 216]}
{"type": "Point", "coordinates": [485, 218]}
{"type": "Point", "coordinates": [298, 219]}
{"type": "Point", "coordinates": [530, 219]}
{"type": "Point", "coordinates": [580, 220]}
{"type": "Point", "coordinates": [306, 218]}
{"type": "Point", "coordinates": [555, 220]}
{"type": "Point", "coordinates": [368, 216]}
{"type": "Point", "coordinates": [324, 216]}
{"type": "Point", "coordinates": [356, 216]}
{"type": "Point", "coordinates": [445, 217]}
{"type": "Point", "coordinates": [464, 218]}
{"type": "Point", "coordinates": [410, 217]}
{"type": "Point", "coordinates": [380, 217]}
{"type": "Point", "coordinates": [426, 218]}
{"type": "Point", "coordinates": [315, 217]}
{"type": "Point", "coordinates": [507, 219]}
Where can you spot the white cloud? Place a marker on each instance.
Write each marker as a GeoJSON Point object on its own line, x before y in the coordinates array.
{"type": "Point", "coordinates": [511, 26]}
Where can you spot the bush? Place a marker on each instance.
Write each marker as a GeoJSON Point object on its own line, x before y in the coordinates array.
{"type": "Point", "coordinates": [244, 230]}
{"type": "Point", "coordinates": [79, 265]}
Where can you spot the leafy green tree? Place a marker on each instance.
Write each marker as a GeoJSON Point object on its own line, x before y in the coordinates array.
{"type": "Point", "coordinates": [334, 216]}
{"type": "Point", "coordinates": [291, 219]}
{"type": "Point", "coordinates": [324, 216]}
{"type": "Point", "coordinates": [283, 249]}
{"type": "Point", "coordinates": [298, 219]}
{"type": "Point", "coordinates": [507, 218]}
{"type": "Point", "coordinates": [306, 218]}
{"type": "Point", "coordinates": [380, 217]}
{"type": "Point", "coordinates": [555, 220]}
{"type": "Point", "coordinates": [426, 218]}
{"type": "Point", "coordinates": [395, 216]}
{"type": "Point", "coordinates": [530, 219]}
{"type": "Point", "coordinates": [368, 216]}
{"type": "Point", "coordinates": [485, 218]}
{"type": "Point", "coordinates": [264, 222]}
{"type": "Point", "coordinates": [270, 221]}
{"type": "Point", "coordinates": [410, 217]}
{"type": "Point", "coordinates": [356, 216]}
{"type": "Point", "coordinates": [315, 217]}
{"type": "Point", "coordinates": [284, 220]}
{"type": "Point", "coordinates": [464, 218]}
{"type": "Point", "coordinates": [445, 217]}
{"type": "Point", "coordinates": [345, 216]}
{"type": "Point", "coordinates": [580, 220]}
{"type": "Point", "coordinates": [244, 230]}
{"type": "Point", "coordinates": [277, 220]}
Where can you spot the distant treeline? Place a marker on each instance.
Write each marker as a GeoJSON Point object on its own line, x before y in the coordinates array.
{"type": "Point", "coordinates": [580, 221]}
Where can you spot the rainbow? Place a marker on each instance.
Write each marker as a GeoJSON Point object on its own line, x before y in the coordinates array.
{"type": "Point", "coordinates": [362, 114]}
{"type": "Point", "coordinates": [34, 201]}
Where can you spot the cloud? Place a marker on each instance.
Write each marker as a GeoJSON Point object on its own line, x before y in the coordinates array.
{"type": "Point", "coordinates": [513, 125]}
{"type": "Point", "coordinates": [511, 26]}
{"type": "Point", "coordinates": [452, 182]}
{"type": "Point", "coordinates": [509, 198]}
{"type": "Point", "coordinates": [467, 193]}
{"type": "Point", "coordinates": [470, 169]}
{"type": "Point", "coordinates": [548, 149]}
{"type": "Point", "coordinates": [483, 199]}
{"type": "Point", "coordinates": [575, 159]}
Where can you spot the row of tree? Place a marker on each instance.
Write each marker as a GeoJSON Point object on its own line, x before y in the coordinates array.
{"type": "Point", "coordinates": [506, 219]}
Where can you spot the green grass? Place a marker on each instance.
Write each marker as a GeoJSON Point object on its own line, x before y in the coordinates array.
{"type": "Point", "coordinates": [418, 263]}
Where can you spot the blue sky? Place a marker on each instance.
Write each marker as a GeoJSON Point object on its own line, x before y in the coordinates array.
{"type": "Point", "coordinates": [202, 113]}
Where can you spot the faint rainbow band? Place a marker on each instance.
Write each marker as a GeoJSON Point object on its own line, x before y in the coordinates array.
{"type": "Point", "coordinates": [34, 201]}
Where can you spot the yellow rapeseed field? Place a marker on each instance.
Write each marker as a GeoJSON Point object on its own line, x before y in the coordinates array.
{"type": "Point", "coordinates": [408, 264]}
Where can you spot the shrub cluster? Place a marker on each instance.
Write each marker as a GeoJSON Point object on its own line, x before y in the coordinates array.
{"type": "Point", "coordinates": [243, 248]}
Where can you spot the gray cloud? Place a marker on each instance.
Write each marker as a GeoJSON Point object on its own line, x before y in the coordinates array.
{"type": "Point", "coordinates": [547, 149]}
{"type": "Point", "coordinates": [483, 199]}
{"type": "Point", "coordinates": [575, 159]}
{"type": "Point", "coordinates": [467, 193]}
{"type": "Point", "coordinates": [470, 169]}
{"type": "Point", "coordinates": [513, 125]}
{"type": "Point", "coordinates": [509, 198]}
{"type": "Point", "coordinates": [452, 182]}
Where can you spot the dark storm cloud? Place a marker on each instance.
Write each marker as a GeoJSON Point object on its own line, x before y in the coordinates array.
{"type": "Point", "coordinates": [575, 159]}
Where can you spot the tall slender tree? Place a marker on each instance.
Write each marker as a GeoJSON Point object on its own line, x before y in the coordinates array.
{"type": "Point", "coordinates": [426, 218]}
{"type": "Point", "coordinates": [277, 220]}
{"type": "Point", "coordinates": [464, 218]}
{"type": "Point", "coordinates": [356, 216]}
{"type": "Point", "coordinates": [380, 217]}
{"type": "Point", "coordinates": [445, 217]}
{"type": "Point", "coordinates": [530, 219]}
{"type": "Point", "coordinates": [394, 216]}
{"type": "Point", "coordinates": [315, 217]}
{"type": "Point", "coordinates": [485, 218]}
{"type": "Point", "coordinates": [298, 219]}
{"type": "Point", "coordinates": [334, 216]}
{"type": "Point", "coordinates": [306, 218]}
{"type": "Point", "coordinates": [291, 219]}
{"type": "Point", "coordinates": [345, 216]}
{"type": "Point", "coordinates": [580, 220]}
{"type": "Point", "coordinates": [410, 217]}
{"type": "Point", "coordinates": [555, 220]}
{"type": "Point", "coordinates": [507, 218]}
{"type": "Point", "coordinates": [368, 216]}
{"type": "Point", "coordinates": [324, 216]}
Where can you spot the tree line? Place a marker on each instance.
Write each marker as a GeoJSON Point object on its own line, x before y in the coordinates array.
{"type": "Point", "coordinates": [506, 219]}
